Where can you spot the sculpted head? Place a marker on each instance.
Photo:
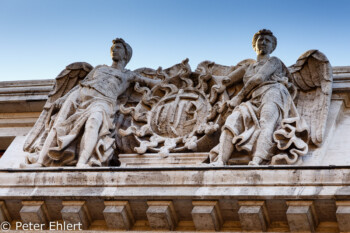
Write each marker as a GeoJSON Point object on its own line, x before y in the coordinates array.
{"type": "Point", "coordinates": [264, 42]}
{"type": "Point", "coordinates": [121, 50]}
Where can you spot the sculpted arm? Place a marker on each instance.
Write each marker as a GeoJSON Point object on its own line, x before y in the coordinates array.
{"type": "Point", "coordinates": [236, 75]}
{"type": "Point", "coordinates": [269, 68]}
{"type": "Point", "coordinates": [144, 80]}
{"type": "Point", "coordinates": [260, 77]}
{"type": "Point", "coordinates": [58, 103]}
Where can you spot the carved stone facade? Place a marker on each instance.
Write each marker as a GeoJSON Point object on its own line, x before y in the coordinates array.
{"type": "Point", "coordinates": [253, 147]}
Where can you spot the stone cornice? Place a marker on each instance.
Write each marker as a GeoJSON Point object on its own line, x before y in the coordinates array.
{"type": "Point", "coordinates": [341, 78]}
{"type": "Point", "coordinates": [24, 96]}
{"type": "Point", "coordinates": [206, 175]}
{"type": "Point", "coordinates": [178, 199]}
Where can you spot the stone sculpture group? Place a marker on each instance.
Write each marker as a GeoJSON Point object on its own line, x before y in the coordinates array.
{"type": "Point", "coordinates": [257, 112]}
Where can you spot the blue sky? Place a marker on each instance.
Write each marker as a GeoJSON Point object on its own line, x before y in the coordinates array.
{"type": "Point", "coordinates": [39, 38]}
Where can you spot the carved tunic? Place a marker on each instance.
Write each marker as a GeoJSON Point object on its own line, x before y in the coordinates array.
{"type": "Point", "coordinates": [245, 120]}
{"type": "Point", "coordinates": [96, 97]}
{"type": "Point", "coordinates": [271, 90]}
{"type": "Point", "coordinates": [107, 81]}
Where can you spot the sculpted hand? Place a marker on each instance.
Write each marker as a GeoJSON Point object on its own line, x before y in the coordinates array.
{"type": "Point", "coordinates": [235, 101]}
{"type": "Point", "coordinates": [58, 103]}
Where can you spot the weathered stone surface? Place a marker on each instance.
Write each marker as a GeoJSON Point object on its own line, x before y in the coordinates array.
{"type": "Point", "coordinates": [15, 124]}
{"type": "Point", "coordinates": [264, 117]}
{"type": "Point", "coordinates": [182, 187]}
{"type": "Point", "coordinates": [76, 212]}
{"type": "Point", "coordinates": [324, 155]}
{"type": "Point", "coordinates": [24, 96]}
{"type": "Point", "coordinates": [173, 159]}
{"type": "Point", "coordinates": [305, 182]}
{"type": "Point", "coordinates": [264, 107]}
{"type": "Point", "coordinates": [343, 215]}
{"type": "Point", "coordinates": [161, 215]}
{"type": "Point", "coordinates": [170, 115]}
{"type": "Point", "coordinates": [86, 112]}
{"type": "Point", "coordinates": [14, 154]}
{"type": "Point", "coordinates": [181, 115]}
{"type": "Point", "coordinates": [333, 151]}
{"type": "Point", "coordinates": [253, 215]}
{"type": "Point", "coordinates": [118, 215]}
{"type": "Point", "coordinates": [4, 213]}
{"type": "Point", "coordinates": [34, 212]}
{"type": "Point", "coordinates": [301, 216]}
{"type": "Point", "coordinates": [206, 215]}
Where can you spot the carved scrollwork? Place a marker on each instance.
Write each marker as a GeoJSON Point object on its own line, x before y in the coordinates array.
{"type": "Point", "coordinates": [177, 114]}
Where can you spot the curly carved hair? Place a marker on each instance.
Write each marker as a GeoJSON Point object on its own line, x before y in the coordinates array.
{"type": "Point", "coordinates": [127, 47]}
{"type": "Point", "coordinates": [264, 32]}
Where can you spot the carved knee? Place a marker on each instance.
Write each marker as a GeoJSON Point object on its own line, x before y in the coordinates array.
{"type": "Point", "coordinates": [94, 120]}
{"type": "Point", "coordinates": [269, 117]}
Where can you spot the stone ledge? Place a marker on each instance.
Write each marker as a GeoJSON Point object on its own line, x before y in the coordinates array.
{"type": "Point", "coordinates": [184, 176]}
{"type": "Point", "coordinates": [183, 189]}
{"type": "Point", "coordinates": [24, 96]}
{"type": "Point", "coordinates": [154, 160]}
{"type": "Point", "coordinates": [210, 183]}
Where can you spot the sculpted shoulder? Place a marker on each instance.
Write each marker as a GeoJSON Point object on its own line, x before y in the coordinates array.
{"type": "Point", "coordinates": [98, 67]}
{"type": "Point", "coordinates": [276, 63]}
{"type": "Point", "coordinates": [275, 60]}
{"type": "Point", "coordinates": [111, 71]}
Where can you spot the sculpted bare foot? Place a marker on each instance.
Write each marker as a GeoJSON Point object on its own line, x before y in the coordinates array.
{"type": "Point", "coordinates": [82, 165]}
{"type": "Point", "coordinates": [256, 161]}
{"type": "Point", "coordinates": [218, 163]}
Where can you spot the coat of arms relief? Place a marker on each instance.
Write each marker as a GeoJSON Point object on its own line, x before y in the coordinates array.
{"type": "Point", "coordinates": [258, 112]}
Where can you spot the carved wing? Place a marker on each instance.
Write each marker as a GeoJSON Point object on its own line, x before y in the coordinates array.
{"type": "Point", "coordinates": [64, 82]}
{"type": "Point", "coordinates": [216, 76]}
{"type": "Point", "coordinates": [312, 74]}
{"type": "Point", "coordinates": [69, 78]}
